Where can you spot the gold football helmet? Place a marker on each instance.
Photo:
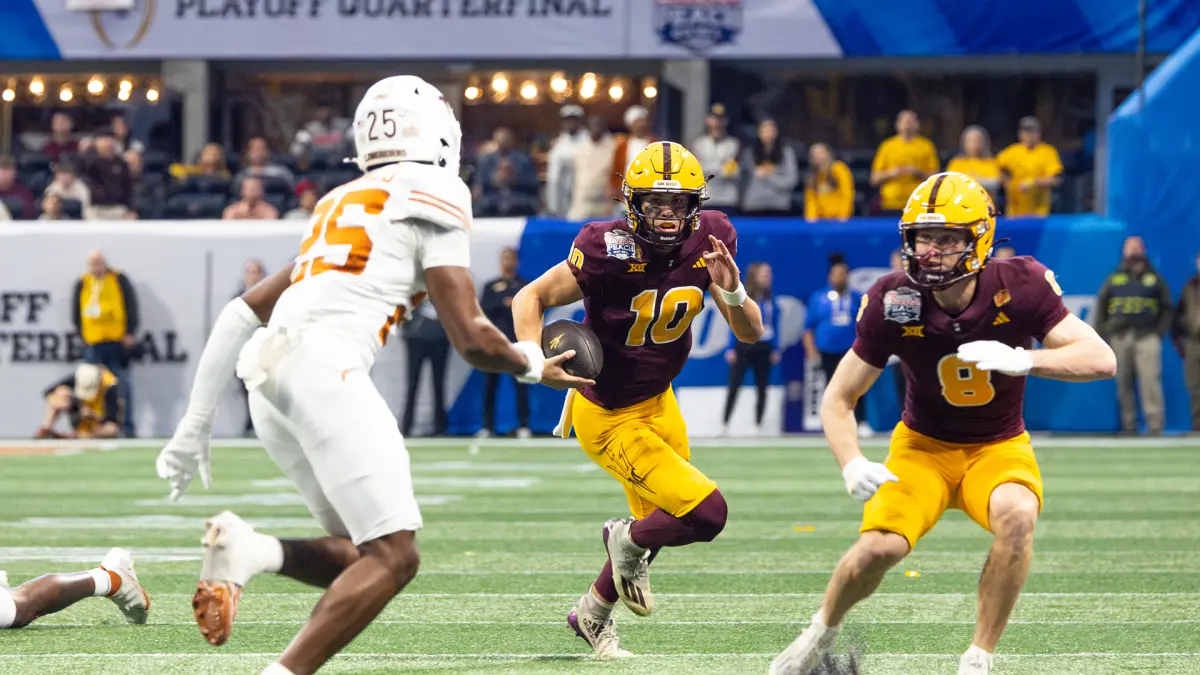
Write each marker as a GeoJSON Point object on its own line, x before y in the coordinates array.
{"type": "Point", "coordinates": [663, 188]}
{"type": "Point", "coordinates": [953, 201]}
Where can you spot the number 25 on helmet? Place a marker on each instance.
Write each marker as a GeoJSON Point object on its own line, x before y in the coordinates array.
{"type": "Point", "coordinates": [948, 201]}
{"type": "Point", "coordinates": [663, 188]}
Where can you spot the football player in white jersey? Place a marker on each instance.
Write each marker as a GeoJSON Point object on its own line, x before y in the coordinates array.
{"type": "Point", "coordinates": [376, 246]}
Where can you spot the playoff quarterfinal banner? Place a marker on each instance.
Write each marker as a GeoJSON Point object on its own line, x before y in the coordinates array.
{"type": "Point", "coordinates": [183, 274]}
{"type": "Point", "coordinates": [417, 29]}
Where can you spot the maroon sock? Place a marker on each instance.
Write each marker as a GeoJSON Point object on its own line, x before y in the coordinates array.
{"type": "Point", "coordinates": [604, 583]}
{"type": "Point", "coordinates": [661, 529]}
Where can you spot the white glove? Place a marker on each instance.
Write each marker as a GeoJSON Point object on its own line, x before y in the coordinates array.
{"type": "Point", "coordinates": [186, 456]}
{"type": "Point", "coordinates": [997, 356]}
{"type": "Point", "coordinates": [864, 478]}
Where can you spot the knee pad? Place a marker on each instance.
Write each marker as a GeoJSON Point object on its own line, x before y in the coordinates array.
{"type": "Point", "coordinates": [8, 608]}
{"type": "Point", "coordinates": [708, 518]}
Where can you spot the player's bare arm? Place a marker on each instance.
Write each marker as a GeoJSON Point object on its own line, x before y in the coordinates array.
{"type": "Point", "coordinates": [850, 382]}
{"type": "Point", "coordinates": [1074, 353]}
{"type": "Point", "coordinates": [555, 288]}
{"type": "Point", "coordinates": [452, 291]}
{"type": "Point", "coordinates": [261, 297]}
{"type": "Point", "coordinates": [741, 313]}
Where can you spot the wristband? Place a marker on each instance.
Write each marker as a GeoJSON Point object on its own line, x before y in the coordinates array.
{"type": "Point", "coordinates": [734, 298]}
{"type": "Point", "coordinates": [536, 359]}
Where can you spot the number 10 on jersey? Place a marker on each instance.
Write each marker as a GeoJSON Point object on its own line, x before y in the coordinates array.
{"type": "Point", "coordinates": [670, 325]}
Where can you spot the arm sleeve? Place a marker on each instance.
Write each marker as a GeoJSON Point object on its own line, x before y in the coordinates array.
{"type": "Point", "coordinates": [870, 335]}
{"type": "Point", "coordinates": [112, 406]}
{"type": "Point", "coordinates": [441, 247]}
{"type": "Point", "coordinates": [76, 310]}
{"type": "Point", "coordinates": [217, 364]}
{"type": "Point", "coordinates": [133, 317]}
{"type": "Point", "coordinates": [1045, 308]}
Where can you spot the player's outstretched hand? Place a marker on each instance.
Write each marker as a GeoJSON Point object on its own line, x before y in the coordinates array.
{"type": "Point", "coordinates": [721, 267]}
{"type": "Point", "coordinates": [997, 356]}
{"type": "Point", "coordinates": [555, 377]}
{"type": "Point", "coordinates": [864, 477]}
{"type": "Point", "coordinates": [185, 457]}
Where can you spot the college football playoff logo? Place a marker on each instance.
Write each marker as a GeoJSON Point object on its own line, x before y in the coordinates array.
{"type": "Point", "coordinates": [134, 23]}
{"type": "Point", "coordinates": [698, 25]}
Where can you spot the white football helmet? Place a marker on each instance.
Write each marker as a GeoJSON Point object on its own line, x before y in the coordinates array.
{"type": "Point", "coordinates": [406, 119]}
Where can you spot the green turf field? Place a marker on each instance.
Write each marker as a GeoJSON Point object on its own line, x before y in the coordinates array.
{"type": "Point", "coordinates": [512, 537]}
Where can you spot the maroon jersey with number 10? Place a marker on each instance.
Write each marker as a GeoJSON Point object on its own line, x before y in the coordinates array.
{"type": "Point", "coordinates": [1016, 300]}
{"type": "Point", "coordinates": [641, 304]}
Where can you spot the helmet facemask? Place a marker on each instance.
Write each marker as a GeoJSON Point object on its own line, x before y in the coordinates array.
{"type": "Point", "coordinates": [663, 219]}
{"type": "Point", "coordinates": [969, 261]}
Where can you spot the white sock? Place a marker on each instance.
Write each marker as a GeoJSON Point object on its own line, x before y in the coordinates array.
{"type": "Point", "coordinates": [818, 623]}
{"type": "Point", "coordinates": [269, 553]}
{"type": "Point", "coordinates": [972, 650]}
{"type": "Point", "coordinates": [597, 605]}
{"type": "Point", "coordinates": [277, 669]}
{"type": "Point", "coordinates": [103, 581]}
{"type": "Point", "coordinates": [8, 608]}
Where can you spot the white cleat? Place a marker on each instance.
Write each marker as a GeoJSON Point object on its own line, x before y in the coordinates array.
{"type": "Point", "coordinates": [976, 662]}
{"type": "Point", "coordinates": [228, 565]}
{"type": "Point", "coordinates": [805, 653]}
{"type": "Point", "coordinates": [127, 592]}
{"type": "Point", "coordinates": [599, 632]}
{"type": "Point", "coordinates": [524, 433]}
{"type": "Point", "coordinates": [630, 565]}
{"type": "Point", "coordinates": [3, 579]}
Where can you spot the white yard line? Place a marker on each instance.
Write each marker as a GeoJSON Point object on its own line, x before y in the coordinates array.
{"type": "Point", "coordinates": [722, 595]}
{"type": "Point", "coordinates": [798, 622]}
{"type": "Point", "coordinates": [207, 655]}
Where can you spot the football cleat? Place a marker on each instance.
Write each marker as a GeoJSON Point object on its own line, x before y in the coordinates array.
{"type": "Point", "coordinates": [806, 652]}
{"type": "Point", "coordinates": [630, 565]}
{"type": "Point", "coordinates": [599, 632]}
{"type": "Point", "coordinates": [127, 592]}
{"type": "Point", "coordinates": [975, 662]}
{"type": "Point", "coordinates": [228, 565]}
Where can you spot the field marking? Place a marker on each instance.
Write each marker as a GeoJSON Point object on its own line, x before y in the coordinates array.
{"type": "Point", "coordinates": [577, 656]}
{"type": "Point", "coordinates": [798, 622]}
{"type": "Point", "coordinates": [722, 595]}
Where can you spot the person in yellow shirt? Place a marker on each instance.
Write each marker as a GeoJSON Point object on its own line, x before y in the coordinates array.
{"type": "Point", "coordinates": [828, 187]}
{"type": "Point", "coordinates": [1032, 170]}
{"type": "Point", "coordinates": [975, 159]}
{"type": "Point", "coordinates": [901, 163]}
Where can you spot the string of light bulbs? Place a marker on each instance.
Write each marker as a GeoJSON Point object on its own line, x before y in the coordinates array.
{"type": "Point", "coordinates": [73, 89]}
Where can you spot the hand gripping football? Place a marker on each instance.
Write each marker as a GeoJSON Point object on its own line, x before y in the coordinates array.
{"type": "Point", "coordinates": [564, 335]}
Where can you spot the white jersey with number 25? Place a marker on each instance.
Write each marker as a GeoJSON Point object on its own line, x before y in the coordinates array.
{"type": "Point", "coordinates": [361, 265]}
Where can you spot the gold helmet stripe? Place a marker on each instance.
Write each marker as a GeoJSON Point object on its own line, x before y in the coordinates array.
{"type": "Point", "coordinates": [668, 169]}
{"type": "Point", "coordinates": [937, 185]}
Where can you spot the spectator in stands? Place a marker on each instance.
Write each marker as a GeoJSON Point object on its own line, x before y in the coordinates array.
{"type": "Point", "coordinates": [771, 173]}
{"type": "Point", "coordinates": [718, 153]}
{"type": "Point", "coordinates": [627, 146]}
{"type": "Point", "coordinates": [828, 186]}
{"type": "Point", "coordinates": [503, 199]}
{"type": "Point", "coordinates": [251, 206]}
{"type": "Point", "coordinates": [13, 193]}
{"type": "Point", "coordinates": [1186, 334]}
{"type": "Point", "coordinates": [60, 143]}
{"type": "Point", "coordinates": [107, 318]}
{"type": "Point", "coordinates": [901, 163]}
{"type": "Point", "coordinates": [561, 160]}
{"type": "Point", "coordinates": [761, 355]}
{"type": "Point", "coordinates": [324, 133]}
{"type": "Point", "coordinates": [256, 161]}
{"type": "Point", "coordinates": [1005, 252]}
{"type": "Point", "coordinates": [306, 194]}
{"type": "Point", "coordinates": [52, 208]}
{"type": "Point", "coordinates": [110, 181]}
{"type": "Point", "coordinates": [211, 163]}
{"type": "Point", "coordinates": [593, 161]}
{"type": "Point", "coordinates": [975, 159]}
{"type": "Point", "coordinates": [146, 194]}
{"type": "Point", "coordinates": [90, 398]}
{"type": "Point", "coordinates": [497, 305]}
{"type": "Point", "coordinates": [829, 327]}
{"type": "Point", "coordinates": [1133, 313]}
{"type": "Point", "coordinates": [67, 186]}
{"type": "Point", "coordinates": [523, 177]}
{"type": "Point", "coordinates": [426, 341]}
{"type": "Point", "coordinates": [124, 136]}
{"type": "Point", "coordinates": [1032, 170]}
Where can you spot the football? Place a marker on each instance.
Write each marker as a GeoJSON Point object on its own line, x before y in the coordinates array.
{"type": "Point", "coordinates": [563, 335]}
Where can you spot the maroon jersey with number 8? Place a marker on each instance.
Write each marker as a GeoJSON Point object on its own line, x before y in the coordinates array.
{"type": "Point", "coordinates": [1016, 301]}
{"type": "Point", "coordinates": [641, 304]}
